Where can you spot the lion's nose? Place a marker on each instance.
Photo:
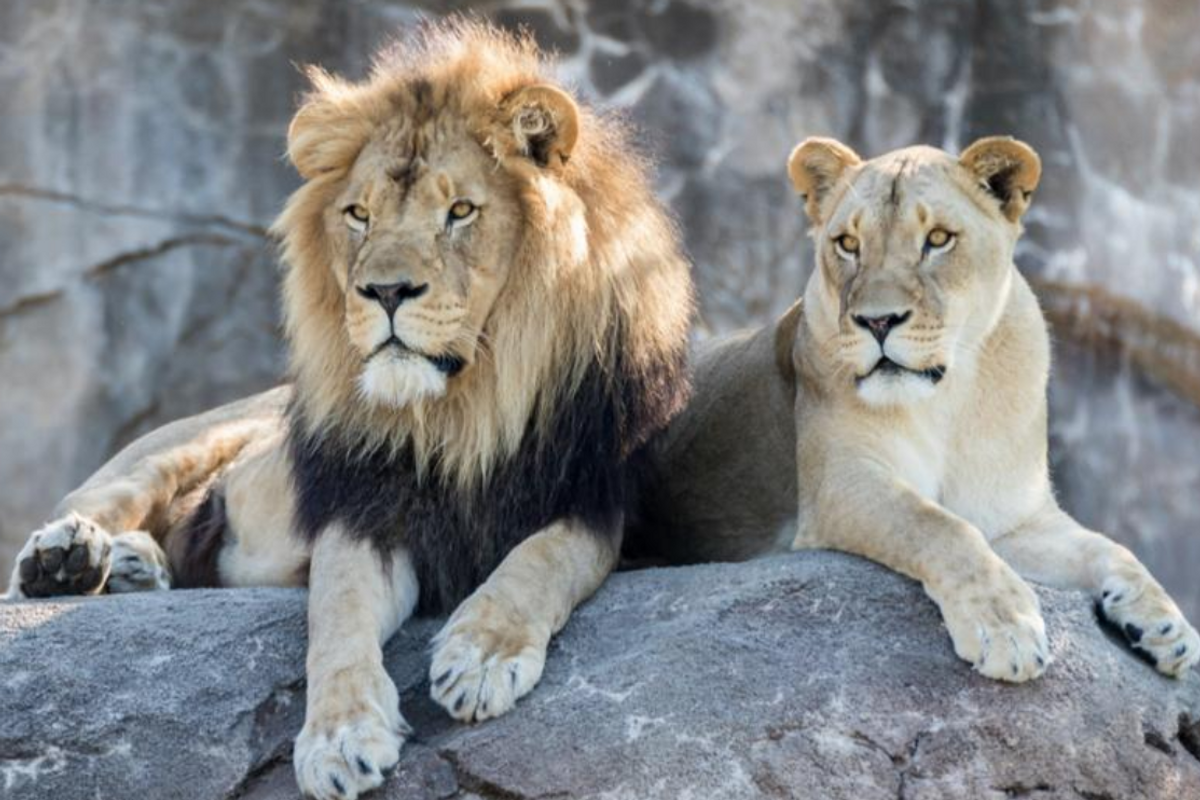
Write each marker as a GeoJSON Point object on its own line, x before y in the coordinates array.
{"type": "Point", "coordinates": [881, 326]}
{"type": "Point", "coordinates": [391, 295]}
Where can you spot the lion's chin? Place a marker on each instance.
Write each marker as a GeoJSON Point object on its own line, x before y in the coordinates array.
{"type": "Point", "coordinates": [398, 381]}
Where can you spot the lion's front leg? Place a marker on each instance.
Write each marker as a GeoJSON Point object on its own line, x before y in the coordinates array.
{"type": "Point", "coordinates": [492, 650]}
{"type": "Point", "coordinates": [353, 729]}
{"type": "Point", "coordinates": [1056, 550]}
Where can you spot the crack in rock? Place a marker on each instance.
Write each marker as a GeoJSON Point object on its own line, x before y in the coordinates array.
{"type": "Point", "coordinates": [1086, 795]}
{"type": "Point", "coordinates": [907, 762]}
{"type": "Point", "coordinates": [1154, 739]}
{"type": "Point", "coordinates": [29, 302]}
{"type": "Point", "coordinates": [256, 774]}
{"type": "Point", "coordinates": [487, 789]}
{"type": "Point", "coordinates": [254, 229]}
{"type": "Point", "coordinates": [272, 725]}
{"type": "Point", "coordinates": [1021, 790]}
{"type": "Point", "coordinates": [866, 740]}
{"type": "Point", "coordinates": [1189, 735]}
{"type": "Point", "coordinates": [157, 249]}
{"type": "Point", "coordinates": [121, 259]}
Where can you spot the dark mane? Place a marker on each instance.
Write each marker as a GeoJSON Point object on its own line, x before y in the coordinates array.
{"type": "Point", "coordinates": [577, 469]}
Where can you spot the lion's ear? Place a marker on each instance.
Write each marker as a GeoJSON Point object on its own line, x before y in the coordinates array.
{"type": "Point", "coordinates": [326, 134]}
{"type": "Point", "coordinates": [1009, 169]}
{"type": "Point", "coordinates": [544, 122]}
{"type": "Point", "coordinates": [815, 167]}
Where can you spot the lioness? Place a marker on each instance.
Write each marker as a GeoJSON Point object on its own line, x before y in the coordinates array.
{"type": "Point", "coordinates": [900, 406]}
{"type": "Point", "coordinates": [487, 314]}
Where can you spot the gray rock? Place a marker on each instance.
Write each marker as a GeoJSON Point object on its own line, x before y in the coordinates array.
{"type": "Point", "coordinates": [815, 675]}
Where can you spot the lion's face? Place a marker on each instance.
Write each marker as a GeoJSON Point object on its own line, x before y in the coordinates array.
{"type": "Point", "coordinates": [914, 258]}
{"type": "Point", "coordinates": [419, 199]}
{"type": "Point", "coordinates": [424, 245]}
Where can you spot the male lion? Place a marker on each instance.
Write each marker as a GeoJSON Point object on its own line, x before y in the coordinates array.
{"type": "Point", "coordinates": [487, 315]}
{"type": "Point", "coordinates": [907, 390]}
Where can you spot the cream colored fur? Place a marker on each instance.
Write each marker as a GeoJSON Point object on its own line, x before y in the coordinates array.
{"type": "Point", "coordinates": [946, 481]}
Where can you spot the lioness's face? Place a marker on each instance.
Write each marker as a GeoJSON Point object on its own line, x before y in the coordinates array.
{"type": "Point", "coordinates": [914, 256]}
{"type": "Point", "coordinates": [426, 235]}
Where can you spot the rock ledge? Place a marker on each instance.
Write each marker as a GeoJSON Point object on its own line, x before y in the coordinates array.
{"type": "Point", "coordinates": [815, 675]}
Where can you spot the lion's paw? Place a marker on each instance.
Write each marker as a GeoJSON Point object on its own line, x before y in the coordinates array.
{"type": "Point", "coordinates": [70, 556]}
{"type": "Point", "coordinates": [1151, 622]}
{"type": "Point", "coordinates": [1001, 631]}
{"type": "Point", "coordinates": [342, 763]}
{"type": "Point", "coordinates": [484, 660]}
{"type": "Point", "coordinates": [138, 564]}
{"type": "Point", "coordinates": [352, 736]}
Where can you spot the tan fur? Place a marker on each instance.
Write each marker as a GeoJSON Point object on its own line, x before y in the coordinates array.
{"type": "Point", "coordinates": [142, 497]}
{"type": "Point", "coordinates": [545, 330]}
{"type": "Point", "coordinates": [353, 728]}
{"type": "Point", "coordinates": [492, 649]}
{"type": "Point", "coordinates": [568, 242]}
{"type": "Point", "coordinates": [262, 548]}
{"type": "Point", "coordinates": [136, 489]}
{"type": "Point", "coordinates": [948, 482]}
{"type": "Point", "coordinates": [930, 480]}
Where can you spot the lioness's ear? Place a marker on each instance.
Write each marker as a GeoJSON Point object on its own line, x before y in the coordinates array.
{"type": "Point", "coordinates": [544, 121]}
{"type": "Point", "coordinates": [327, 133]}
{"type": "Point", "coordinates": [814, 167]}
{"type": "Point", "coordinates": [1009, 169]}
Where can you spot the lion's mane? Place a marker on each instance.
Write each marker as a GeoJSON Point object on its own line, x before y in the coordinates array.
{"type": "Point", "coordinates": [585, 353]}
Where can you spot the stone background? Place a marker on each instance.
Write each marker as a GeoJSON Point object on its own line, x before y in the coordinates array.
{"type": "Point", "coordinates": [141, 161]}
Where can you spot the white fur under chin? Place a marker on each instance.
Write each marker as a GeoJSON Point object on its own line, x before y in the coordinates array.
{"type": "Point", "coordinates": [895, 390]}
{"type": "Point", "coordinates": [399, 381]}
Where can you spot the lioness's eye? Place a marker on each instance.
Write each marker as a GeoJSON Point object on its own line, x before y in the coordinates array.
{"type": "Point", "coordinates": [356, 217]}
{"type": "Point", "coordinates": [461, 211]}
{"type": "Point", "coordinates": [938, 238]}
{"type": "Point", "coordinates": [847, 244]}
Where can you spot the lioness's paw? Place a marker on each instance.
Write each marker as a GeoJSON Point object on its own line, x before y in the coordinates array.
{"type": "Point", "coordinates": [69, 556]}
{"type": "Point", "coordinates": [352, 736]}
{"type": "Point", "coordinates": [1150, 622]}
{"type": "Point", "coordinates": [484, 660]}
{"type": "Point", "coordinates": [1000, 630]}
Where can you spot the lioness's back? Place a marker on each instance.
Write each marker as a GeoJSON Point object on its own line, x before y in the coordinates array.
{"type": "Point", "coordinates": [720, 483]}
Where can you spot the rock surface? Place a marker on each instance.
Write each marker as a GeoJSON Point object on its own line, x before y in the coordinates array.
{"type": "Point", "coordinates": [141, 162]}
{"type": "Point", "coordinates": [815, 675]}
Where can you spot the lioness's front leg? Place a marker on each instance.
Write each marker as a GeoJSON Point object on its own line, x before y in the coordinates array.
{"type": "Point", "coordinates": [993, 617]}
{"type": "Point", "coordinates": [1054, 549]}
{"type": "Point", "coordinates": [353, 729]}
{"type": "Point", "coordinates": [492, 650]}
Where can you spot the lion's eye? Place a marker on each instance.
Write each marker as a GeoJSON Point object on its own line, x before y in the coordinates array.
{"type": "Point", "coordinates": [847, 245]}
{"type": "Point", "coordinates": [356, 217]}
{"type": "Point", "coordinates": [460, 211]}
{"type": "Point", "coordinates": [938, 238]}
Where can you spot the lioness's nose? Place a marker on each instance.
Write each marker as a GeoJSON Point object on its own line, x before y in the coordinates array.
{"type": "Point", "coordinates": [391, 295]}
{"type": "Point", "coordinates": [880, 327]}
